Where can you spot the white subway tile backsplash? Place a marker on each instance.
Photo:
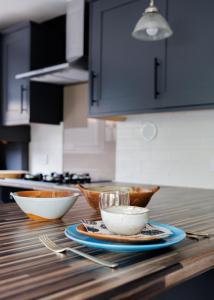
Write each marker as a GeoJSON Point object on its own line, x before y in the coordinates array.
{"type": "Point", "coordinates": [88, 144]}
{"type": "Point", "coordinates": [46, 148]}
{"type": "Point", "coordinates": [182, 153]}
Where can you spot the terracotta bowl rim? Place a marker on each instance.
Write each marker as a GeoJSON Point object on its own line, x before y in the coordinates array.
{"type": "Point", "coordinates": [140, 191]}
{"type": "Point", "coordinates": [32, 196]}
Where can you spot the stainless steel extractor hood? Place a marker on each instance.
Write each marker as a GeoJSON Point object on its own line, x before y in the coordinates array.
{"type": "Point", "coordinates": [59, 74]}
{"type": "Point", "coordinates": [74, 70]}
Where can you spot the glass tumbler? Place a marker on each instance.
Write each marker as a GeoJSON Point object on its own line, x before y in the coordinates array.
{"type": "Point", "coordinates": [111, 205]}
{"type": "Point", "coordinates": [114, 198]}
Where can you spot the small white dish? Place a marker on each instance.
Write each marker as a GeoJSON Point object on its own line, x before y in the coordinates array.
{"type": "Point", "coordinates": [125, 220]}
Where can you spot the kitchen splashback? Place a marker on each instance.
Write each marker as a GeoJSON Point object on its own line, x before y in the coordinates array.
{"type": "Point", "coordinates": [79, 145]}
{"type": "Point", "coordinates": [181, 154]}
{"type": "Point", "coordinates": [46, 148]}
{"type": "Point", "coordinates": [89, 144]}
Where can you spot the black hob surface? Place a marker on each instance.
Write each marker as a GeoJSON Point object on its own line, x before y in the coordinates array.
{"type": "Point", "coordinates": [60, 178]}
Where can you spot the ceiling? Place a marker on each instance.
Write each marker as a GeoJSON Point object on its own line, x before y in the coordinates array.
{"type": "Point", "coordinates": [13, 11]}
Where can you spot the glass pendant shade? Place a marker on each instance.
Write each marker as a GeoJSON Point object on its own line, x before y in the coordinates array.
{"type": "Point", "coordinates": [152, 26]}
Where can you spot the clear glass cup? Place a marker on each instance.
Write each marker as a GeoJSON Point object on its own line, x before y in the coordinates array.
{"type": "Point", "coordinates": [114, 198]}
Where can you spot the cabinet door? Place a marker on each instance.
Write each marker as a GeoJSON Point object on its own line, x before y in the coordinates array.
{"type": "Point", "coordinates": [190, 50]}
{"type": "Point", "coordinates": [125, 77]}
{"type": "Point", "coordinates": [16, 57]}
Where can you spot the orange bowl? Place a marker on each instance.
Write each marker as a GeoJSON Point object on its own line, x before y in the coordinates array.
{"type": "Point", "coordinates": [139, 196]}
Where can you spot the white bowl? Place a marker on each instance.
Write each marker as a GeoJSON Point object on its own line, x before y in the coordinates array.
{"type": "Point", "coordinates": [45, 205]}
{"type": "Point", "coordinates": [125, 220]}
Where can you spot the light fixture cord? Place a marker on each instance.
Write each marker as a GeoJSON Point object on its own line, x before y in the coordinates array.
{"type": "Point", "coordinates": [151, 3]}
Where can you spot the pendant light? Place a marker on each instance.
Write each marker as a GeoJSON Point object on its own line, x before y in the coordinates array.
{"type": "Point", "coordinates": [152, 26]}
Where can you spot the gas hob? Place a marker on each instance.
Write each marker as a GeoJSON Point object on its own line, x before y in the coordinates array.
{"type": "Point", "coordinates": [59, 178]}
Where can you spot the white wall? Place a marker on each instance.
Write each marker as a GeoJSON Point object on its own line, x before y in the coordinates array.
{"type": "Point", "coordinates": [46, 148]}
{"type": "Point", "coordinates": [182, 154]}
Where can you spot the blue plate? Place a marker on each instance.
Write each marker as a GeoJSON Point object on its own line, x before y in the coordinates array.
{"type": "Point", "coordinates": [177, 236]}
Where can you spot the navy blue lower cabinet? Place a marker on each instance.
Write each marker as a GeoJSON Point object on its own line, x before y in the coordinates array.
{"type": "Point", "coordinates": [197, 288]}
{"type": "Point", "coordinates": [126, 75]}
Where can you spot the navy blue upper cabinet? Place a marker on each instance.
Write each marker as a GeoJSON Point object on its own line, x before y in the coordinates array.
{"type": "Point", "coordinates": [15, 59]}
{"type": "Point", "coordinates": [23, 48]}
{"type": "Point", "coordinates": [190, 54]}
{"type": "Point", "coordinates": [126, 75]}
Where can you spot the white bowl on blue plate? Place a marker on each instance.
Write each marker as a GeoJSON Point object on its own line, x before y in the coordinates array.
{"type": "Point", "coordinates": [125, 220]}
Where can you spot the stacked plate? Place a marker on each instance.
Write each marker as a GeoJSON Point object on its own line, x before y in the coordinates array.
{"type": "Point", "coordinates": [155, 236]}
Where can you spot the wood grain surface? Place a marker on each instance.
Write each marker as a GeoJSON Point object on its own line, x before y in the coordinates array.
{"type": "Point", "coordinates": [29, 271]}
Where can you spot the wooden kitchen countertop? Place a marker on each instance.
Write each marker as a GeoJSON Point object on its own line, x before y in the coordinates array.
{"type": "Point", "coordinates": [29, 271]}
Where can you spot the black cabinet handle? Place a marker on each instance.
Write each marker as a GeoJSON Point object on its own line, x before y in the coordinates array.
{"type": "Point", "coordinates": [93, 75]}
{"type": "Point", "coordinates": [23, 91]}
{"type": "Point", "coordinates": [156, 65]}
